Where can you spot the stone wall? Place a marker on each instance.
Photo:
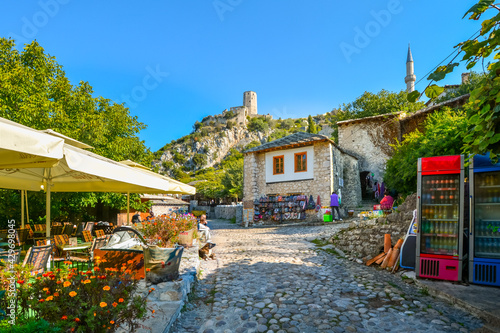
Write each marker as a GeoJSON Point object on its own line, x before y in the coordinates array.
{"type": "Point", "coordinates": [365, 239]}
{"type": "Point", "coordinates": [351, 192]}
{"type": "Point", "coordinates": [368, 139]}
{"type": "Point", "coordinates": [226, 211]}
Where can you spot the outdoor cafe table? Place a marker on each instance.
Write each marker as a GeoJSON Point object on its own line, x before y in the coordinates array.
{"type": "Point", "coordinates": [79, 247]}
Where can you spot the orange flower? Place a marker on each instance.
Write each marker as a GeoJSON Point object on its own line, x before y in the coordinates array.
{"type": "Point", "coordinates": [153, 311]}
{"type": "Point", "coordinates": [41, 300]}
{"type": "Point", "coordinates": [120, 300]}
{"type": "Point", "coordinates": [56, 294]}
{"type": "Point", "coordinates": [130, 262]}
{"type": "Point", "coordinates": [112, 322]}
{"type": "Point", "coordinates": [59, 282]}
{"type": "Point", "coordinates": [114, 304]}
{"type": "Point", "coordinates": [152, 289]}
{"type": "Point", "coordinates": [103, 304]}
{"type": "Point", "coordinates": [50, 298]}
{"type": "Point", "coordinates": [73, 294]}
{"type": "Point", "coordinates": [95, 314]}
{"type": "Point", "coordinates": [20, 281]}
{"type": "Point", "coordinates": [77, 319]}
{"type": "Point", "coordinates": [64, 317]}
{"type": "Point", "coordinates": [106, 288]}
{"type": "Point", "coordinates": [86, 281]}
{"type": "Point", "coordinates": [96, 269]}
{"type": "Point", "coordinates": [66, 284]}
{"type": "Point", "coordinates": [148, 269]}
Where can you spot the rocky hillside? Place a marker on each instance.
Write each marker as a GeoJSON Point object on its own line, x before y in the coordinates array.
{"type": "Point", "coordinates": [215, 137]}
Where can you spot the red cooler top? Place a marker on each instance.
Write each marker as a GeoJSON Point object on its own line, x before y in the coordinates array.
{"type": "Point", "coordinates": [441, 164]}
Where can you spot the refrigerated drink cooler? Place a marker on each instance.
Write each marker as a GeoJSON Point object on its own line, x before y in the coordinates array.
{"type": "Point", "coordinates": [484, 247]}
{"type": "Point", "coordinates": [440, 217]}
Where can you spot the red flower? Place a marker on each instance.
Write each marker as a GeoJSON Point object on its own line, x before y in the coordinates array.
{"type": "Point", "coordinates": [77, 319]}
{"type": "Point", "coordinates": [64, 317]}
{"type": "Point", "coordinates": [41, 300]}
{"type": "Point", "coordinates": [20, 281]}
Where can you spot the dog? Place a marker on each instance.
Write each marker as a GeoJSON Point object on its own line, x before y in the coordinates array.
{"type": "Point", "coordinates": [206, 251]}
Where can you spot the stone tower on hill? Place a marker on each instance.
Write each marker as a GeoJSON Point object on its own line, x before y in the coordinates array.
{"type": "Point", "coordinates": [250, 102]}
{"type": "Point", "coordinates": [410, 75]}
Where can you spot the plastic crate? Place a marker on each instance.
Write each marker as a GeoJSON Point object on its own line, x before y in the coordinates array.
{"type": "Point", "coordinates": [327, 218]}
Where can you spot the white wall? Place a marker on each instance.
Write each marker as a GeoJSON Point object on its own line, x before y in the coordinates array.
{"type": "Point", "coordinates": [289, 165]}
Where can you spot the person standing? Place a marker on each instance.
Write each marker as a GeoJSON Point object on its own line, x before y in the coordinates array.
{"type": "Point", "coordinates": [334, 204]}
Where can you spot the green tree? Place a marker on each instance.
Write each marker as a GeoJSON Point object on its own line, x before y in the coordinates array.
{"type": "Point", "coordinates": [311, 125]}
{"type": "Point", "coordinates": [257, 124]}
{"type": "Point", "coordinates": [199, 160]}
{"type": "Point", "coordinates": [483, 132]}
{"type": "Point", "coordinates": [35, 91]}
{"type": "Point", "coordinates": [287, 124]}
{"type": "Point", "coordinates": [443, 134]}
{"type": "Point", "coordinates": [233, 178]}
{"type": "Point", "coordinates": [370, 104]}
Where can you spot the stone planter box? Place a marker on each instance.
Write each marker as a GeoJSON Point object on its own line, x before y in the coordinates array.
{"type": "Point", "coordinates": [162, 264]}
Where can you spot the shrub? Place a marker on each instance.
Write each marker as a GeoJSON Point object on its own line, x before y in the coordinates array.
{"type": "Point", "coordinates": [257, 125]}
{"type": "Point", "coordinates": [164, 230]}
{"type": "Point", "coordinates": [97, 300]}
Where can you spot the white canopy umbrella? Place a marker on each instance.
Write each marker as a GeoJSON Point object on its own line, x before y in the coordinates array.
{"type": "Point", "coordinates": [176, 187]}
{"type": "Point", "coordinates": [82, 171]}
{"type": "Point", "coordinates": [22, 146]}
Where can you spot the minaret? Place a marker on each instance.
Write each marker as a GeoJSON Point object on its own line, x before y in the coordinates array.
{"type": "Point", "coordinates": [410, 76]}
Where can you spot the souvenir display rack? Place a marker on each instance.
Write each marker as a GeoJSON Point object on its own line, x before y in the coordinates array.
{"type": "Point", "coordinates": [280, 208]}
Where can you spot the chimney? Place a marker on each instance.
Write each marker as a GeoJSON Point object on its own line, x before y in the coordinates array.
{"type": "Point", "coordinates": [465, 77]}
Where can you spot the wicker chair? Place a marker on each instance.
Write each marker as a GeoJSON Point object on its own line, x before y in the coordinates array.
{"type": "Point", "coordinates": [38, 256]}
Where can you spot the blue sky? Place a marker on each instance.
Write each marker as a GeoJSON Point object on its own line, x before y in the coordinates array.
{"type": "Point", "coordinates": [175, 62]}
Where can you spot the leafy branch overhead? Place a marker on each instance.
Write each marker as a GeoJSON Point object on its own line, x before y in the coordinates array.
{"type": "Point", "coordinates": [483, 110]}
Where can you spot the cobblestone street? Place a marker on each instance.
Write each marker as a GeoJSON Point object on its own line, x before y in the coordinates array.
{"type": "Point", "coordinates": [276, 280]}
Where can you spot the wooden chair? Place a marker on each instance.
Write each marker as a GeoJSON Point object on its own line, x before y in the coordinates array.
{"type": "Point", "coordinates": [38, 256]}
{"type": "Point", "coordinates": [88, 257]}
{"type": "Point", "coordinates": [56, 230]}
{"type": "Point", "coordinates": [87, 236]}
{"type": "Point", "coordinates": [79, 229]}
{"type": "Point", "coordinates": [59, 242]}
{"type": "Point", "coordinates": [21, 237]}
{"type": "Point", "coordinates": [68, 229]}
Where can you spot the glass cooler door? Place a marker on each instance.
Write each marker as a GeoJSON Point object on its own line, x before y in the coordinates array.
{"type": "Point", "coordinates": [440, 196]}
{"type": "Point", "coordinates": [487, 215]}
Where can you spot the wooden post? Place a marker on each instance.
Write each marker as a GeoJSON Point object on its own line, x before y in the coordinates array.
{"type": "Point", "coordinates": [387, 242]}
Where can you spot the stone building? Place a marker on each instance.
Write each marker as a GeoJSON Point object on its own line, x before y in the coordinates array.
{"type": "Point", "coordinates": [301, 163]}
{"type": "Point", "coordinates": [369, 138]}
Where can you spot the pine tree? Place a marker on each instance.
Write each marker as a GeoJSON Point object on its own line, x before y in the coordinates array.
{"type": "Point", "coordinates": [312, 125]}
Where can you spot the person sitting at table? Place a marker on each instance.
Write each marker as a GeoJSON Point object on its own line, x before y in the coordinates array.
{"type": "Point", "coordinates": [386, 202]}
{"type": "Point", "coordinates": [203, 228]}
{"type": "Point", "coordinates": [136, 218]}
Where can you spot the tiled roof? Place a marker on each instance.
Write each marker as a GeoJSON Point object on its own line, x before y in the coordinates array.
{"type": "Point", "coordinates": [299, 138]}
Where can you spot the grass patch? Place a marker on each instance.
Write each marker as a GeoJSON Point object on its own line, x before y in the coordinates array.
{"type": "Point", "coordinates": [319, 242]}
{"type": "Point", "coordinates": [233, 220]}
{"type": "Point", "coordinates": [424, 291]}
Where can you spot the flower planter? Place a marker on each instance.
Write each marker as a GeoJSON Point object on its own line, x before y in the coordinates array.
{"type": "Point", "coordinates": [186, 238]}
{"type": "Point", "coordinates": [162, 264]}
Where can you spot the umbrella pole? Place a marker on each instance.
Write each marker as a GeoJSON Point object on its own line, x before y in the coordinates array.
{"type": "Point", "coordinates": [22, 209]}
{"type": "Point", "coordinates": [47, 204]}
{"type": "Point", "coordinates": [128, 208]}
{"type": "Point", "coordinates": [27, 210]}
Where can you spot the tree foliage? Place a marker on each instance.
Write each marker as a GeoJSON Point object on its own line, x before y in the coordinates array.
{"type": "Point", "coordinates": [483, 131]}
{"type": "Point", "coordinates": [443, 134]}
{"type": "Point", "coordinates": [311, 125]}
{"type": "Point", "coordinates": [257, 124]}
{"type": "Point", "coordinates": [34, 91]}
{"type": "Point", "coordinates": [370, 104]}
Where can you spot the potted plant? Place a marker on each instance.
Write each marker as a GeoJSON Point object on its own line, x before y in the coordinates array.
{"type": "Point", "coordinates": [160, 257]}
